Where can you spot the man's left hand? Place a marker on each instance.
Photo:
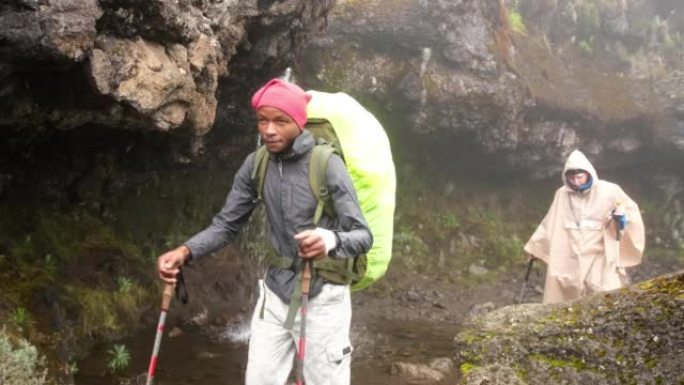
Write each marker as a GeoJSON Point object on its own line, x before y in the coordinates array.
{"type": "Point", "coordinates": [315, 244]}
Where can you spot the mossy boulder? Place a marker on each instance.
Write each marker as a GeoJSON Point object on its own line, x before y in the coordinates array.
{"type": "Point", "coordinates": [630, 336]}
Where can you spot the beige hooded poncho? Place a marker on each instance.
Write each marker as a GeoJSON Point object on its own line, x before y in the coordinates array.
{"type": "Point", "coordinates": [577, 238]}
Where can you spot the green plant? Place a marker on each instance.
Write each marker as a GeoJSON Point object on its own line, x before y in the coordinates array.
{"type": "Point", "coordinates": [20, 318]}
{"type": "Point", "coordinates": [585, 47]}
{"type": "Point", "coordinates": [73, 368]}
{"type": "Point", "coordinates": [408, 241]}
{"type": "Point", "coordinates": [20, 363]}
{"type": "Point", "coordinates": [119, 358]}
{"type": "Point", "coordinates": [448, 220]}
{"type": "Point", "coordinates": [517, 23]}
{"type": "Point", "coordinates": [50, 264]}
{"type": "Point", "coordinates": [125, 285]}
{"type": "Point", "coordinates": [504, 248]}
{"type": "Point", "coordinates": [483, 220]}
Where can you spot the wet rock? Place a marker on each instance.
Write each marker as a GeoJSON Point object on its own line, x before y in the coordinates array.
{"type": "Point", "coordinates": [57, 30]}
{"type": "Point", "coordinates": [442, 364]}
{"type": "Point", "coordinates": [175, 332]}
{"type": "Point", "coordinates": [477, 270]}
{"type": "Point", "coordinates": [420, 372]}
{"type": "Point", "coordinates": [147, 65]}
{"type": "Point", "coordinates": [370, 344]}
{"type": "Point", "coordinates": [481, 309]}
{"type": "Point", "coordinates": [631, 335]}
{"type": "Point", "coordinates": [200, 318]}
{"type": "Point", "coordinates": [413, 296]}
{"type": "Point", "coordinates": [460, 72]}
{"type": "Point", "coordinates": [139, 379]}
{"type": "Point", "coordinates": [207, 355]}
{"type": "Point", "coordinates": [490, 375]}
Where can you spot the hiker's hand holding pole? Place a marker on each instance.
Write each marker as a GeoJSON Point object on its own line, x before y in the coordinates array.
{"type": "Point", "coordinates": [170, 262]}
{"type": "Point", "coordinates": [620, 218]}
{"type": "Point", "coordinates": [315, 244]}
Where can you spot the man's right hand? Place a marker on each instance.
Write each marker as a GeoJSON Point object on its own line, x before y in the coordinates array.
{"type": "Point", "coordinates": [168, 264]}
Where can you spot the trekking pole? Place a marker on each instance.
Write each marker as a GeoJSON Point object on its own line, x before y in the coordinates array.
{"type": "Point", "coordinates": [166, 301]}
{"type": "Point", "coordinates": [305, 285]}
{"type": "Point", "coordinates": [527, 279]}
{"type": "Point", "coordinates": [618, 235]}
{"type": "Point", "coordinates": [617, 238]}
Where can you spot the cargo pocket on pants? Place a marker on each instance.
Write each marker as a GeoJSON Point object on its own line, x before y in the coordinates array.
{"type": "Point", "coordinates": [337, 352]}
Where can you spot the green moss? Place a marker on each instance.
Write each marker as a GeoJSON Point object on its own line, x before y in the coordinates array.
{"type": "Point", "coordinates": [469, 337]}
{"type": "Point", "coordinates": [520, 372]}
{"type": "Point", "coordinates": [517, 23]}
{"type": "Point", "coordinates": [44, 247]}
{"type": "Point", "coordinates": [466, 367]}
{"type": "Point", "coordinates": [567, 362]}
{"type": "Point", "coordinates": [105, 313]}
{"type": "Point", "coordinates": [663, 285]}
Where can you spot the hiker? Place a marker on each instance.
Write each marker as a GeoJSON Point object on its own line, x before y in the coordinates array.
{"type": "Point", "coordinates": [578, 237]}
{"type": "Point", "coordinates": [290, 207]}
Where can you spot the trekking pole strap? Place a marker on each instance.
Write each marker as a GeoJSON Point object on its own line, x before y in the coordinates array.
{"type": "Point", "coordinates": [181, 288]}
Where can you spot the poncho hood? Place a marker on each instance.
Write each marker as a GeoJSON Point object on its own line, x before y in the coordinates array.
{"type": "Point", "coordinates": [577, 160]}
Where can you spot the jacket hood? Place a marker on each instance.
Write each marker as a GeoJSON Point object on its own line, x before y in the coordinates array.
{"type": "Point", "coordinates": [577, 160]}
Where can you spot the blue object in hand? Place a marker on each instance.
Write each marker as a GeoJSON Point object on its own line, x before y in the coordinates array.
{"type": "Point", "coordinates": [621, 221]}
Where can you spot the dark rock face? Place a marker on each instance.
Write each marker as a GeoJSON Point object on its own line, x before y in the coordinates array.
{"type": "Point", "coordinates": [138, 64]}
{"type": "Point", "coordinates": [525, 82]}
{"type": "Point", "coordinates": [54, 30]}
{"type": "Point", "coordinates": [630, 336]}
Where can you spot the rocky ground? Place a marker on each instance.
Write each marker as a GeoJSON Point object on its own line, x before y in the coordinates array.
{"type": "Point", "coordinates": [407, 333]}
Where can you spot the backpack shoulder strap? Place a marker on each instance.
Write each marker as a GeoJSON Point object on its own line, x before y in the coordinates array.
{"type": "Point", "coordinates": [318, 169]}
{"type": "Point", "coordinates": [259, 171]}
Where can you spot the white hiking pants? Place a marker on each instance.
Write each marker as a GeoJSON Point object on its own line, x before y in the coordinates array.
{"type": "Point", "coordinates": [328, 350]}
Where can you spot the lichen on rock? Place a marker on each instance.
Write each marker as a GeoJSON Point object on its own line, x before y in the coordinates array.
{"type": "Point", "coordinates": [629, 336]}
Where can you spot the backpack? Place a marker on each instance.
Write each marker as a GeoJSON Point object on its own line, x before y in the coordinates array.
{"type": "Point", "coordinates": [344, 127]}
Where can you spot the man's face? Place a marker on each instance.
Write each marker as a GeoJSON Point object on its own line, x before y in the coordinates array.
{"type": "Point", "coordinates": [577, 178]}
{"type": "Point", "coordinates": [277, 129]}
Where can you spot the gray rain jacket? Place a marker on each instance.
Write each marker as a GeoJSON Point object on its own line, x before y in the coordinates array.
{"type": "Point", "coordinates": [290, 206]}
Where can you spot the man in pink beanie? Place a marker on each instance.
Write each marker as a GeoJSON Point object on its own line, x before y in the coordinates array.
{"type": "Point", "coordinates": [290, 205]}
{"type": "Point", "coordinates": [285, 96]}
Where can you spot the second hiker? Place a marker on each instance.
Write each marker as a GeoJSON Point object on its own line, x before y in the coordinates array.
{"type": "Point", "coordinates": [578, 238]}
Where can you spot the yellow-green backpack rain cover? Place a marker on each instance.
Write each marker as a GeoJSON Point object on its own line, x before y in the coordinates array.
{"type": "Point", "coordinates": [367, 154]}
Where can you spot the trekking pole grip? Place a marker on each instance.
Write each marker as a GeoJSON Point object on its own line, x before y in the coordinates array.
{"type": "Point", "coordinates": [166, 296]}
{"type": "Point", "coordinates": [306, 277]}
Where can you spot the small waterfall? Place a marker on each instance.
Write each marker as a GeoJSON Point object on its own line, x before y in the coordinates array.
{"type": "Point", "coordinates": [236, 331]}
{"type": "Point", "coordinates": [287, 75]}
{"type": "Point", "coordinates": [426, 54]}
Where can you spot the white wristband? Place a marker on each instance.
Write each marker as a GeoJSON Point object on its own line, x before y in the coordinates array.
{"type": "Point", "coordinates": [328, 238]}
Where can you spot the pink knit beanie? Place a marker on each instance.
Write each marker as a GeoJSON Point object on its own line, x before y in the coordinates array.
{"type": "Point", "coordinates": [285, 96]}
